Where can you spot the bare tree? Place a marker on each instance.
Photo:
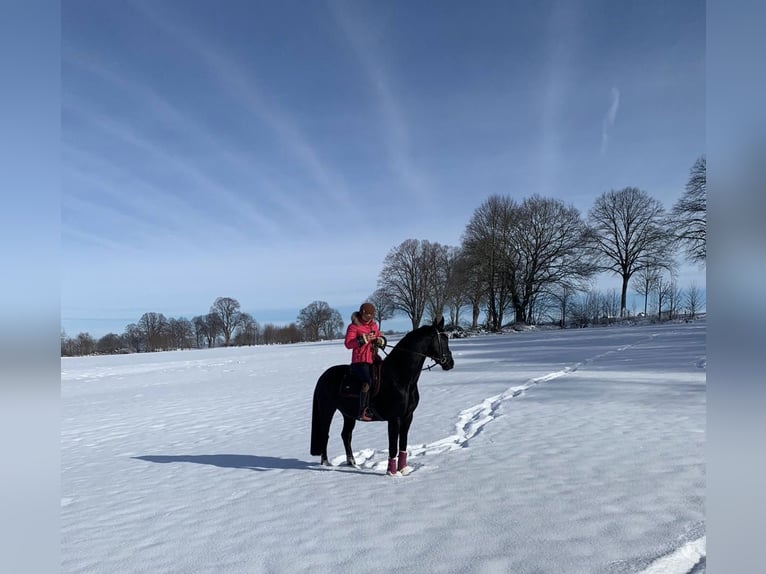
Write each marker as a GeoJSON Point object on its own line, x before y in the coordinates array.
{"type": "Point", "coordinates": [384, 307]}
{"type": "Point", "coordinates": [693, 300]}
{"type": "Point", "coordinates": [546, 308]}
{"type": "Point", "coordinates": [407, 277]}
{"type": "Point", "coordinates": [440, 260]}
{"type": "Point", "coordinates": [459, 285]}
{"type": "Point", "coordinates": [646, 283]}
{"type": "Point", "coordinates": [333, 327]}
{"type": "Point", "coordinates": [84, 344]}
{"type": "Point", "coordinates": [269, 334]}
{"type": "Point", "coordinates": [674, 298]}
{"type": "Point", "coordinates": [577, 315]}
{"type": "Point", "coordinates": [552, 243]}
{"type": "Point", "coordinates": [229, 316]}
{"type": "Point", "coordinates": [248, 331]}
{"type": "Point", "coordinates": [629, 234]}
{"type": "Point", "coordinates": [67, 345]}
{"type": "Point", "coordinates": [319, 321]}
{"type": "Point", "coordinates": [610, 305]}
{"type": "Point", "coordinates": [585, 309]}
{"type": "Point", "coordinates": [661, 295]}
{"type": "Point", "coordinates": [563, 295]}
{"type": "Point", "coordinates": [201, 331]}
{"type": "Point", "coordinates": [153, 327]}
{"type": "Point", "coordinates": [522, 253]}
{"type": "Point", "coordinates": [487, 245]}
{"type": "Point", "coordinates": [109, 344]}
{"type": "Point", "coordinates": [291, 333]}
{"type": "Point", "coordinates": [180, 333]}
{"type": "Point", "coordinates": [214, 328]}
{"type": "Point", "coordinates": [690, 214]}
{"type": "Point", "coordinates": [206, 329]}
{"type": "Point", "coordinates": [281, 335]}
{"type": "Point", "coordinates": [475, 292]}
{"type": "Point", "coordinates": [134, 338]}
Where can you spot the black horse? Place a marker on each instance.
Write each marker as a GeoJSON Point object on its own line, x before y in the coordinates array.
{"type": "Point", "coordinates": [395, 401]}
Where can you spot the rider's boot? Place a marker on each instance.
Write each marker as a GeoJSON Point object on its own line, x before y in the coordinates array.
{"type": "Point", "coordinates": [364, 412]}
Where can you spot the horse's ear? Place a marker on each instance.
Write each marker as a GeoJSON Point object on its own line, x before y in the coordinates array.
{"type": "Point", "coordinates": [439, 325]}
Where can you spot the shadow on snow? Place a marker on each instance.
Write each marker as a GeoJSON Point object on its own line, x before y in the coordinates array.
{"type": "Point", "coordinates": [247, 461]}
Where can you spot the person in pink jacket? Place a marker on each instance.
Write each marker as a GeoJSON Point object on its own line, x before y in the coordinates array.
{"type": "Point", "coordinates": [363, 338]}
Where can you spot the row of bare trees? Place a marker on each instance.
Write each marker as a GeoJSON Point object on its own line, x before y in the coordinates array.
{"type": "Point", "coordinates": [224, 325]}
{"type": "Point", "coordinates": [668, 302]}
{"type": "Point", "coordinates": [515, 258]}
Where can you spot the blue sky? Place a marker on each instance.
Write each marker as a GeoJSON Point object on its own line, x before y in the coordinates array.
{"type": "Point", "coordinates": [275, 152]}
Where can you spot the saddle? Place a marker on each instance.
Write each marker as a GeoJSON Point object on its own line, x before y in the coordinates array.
{"type": "Point", "coordinates": [351, 385]}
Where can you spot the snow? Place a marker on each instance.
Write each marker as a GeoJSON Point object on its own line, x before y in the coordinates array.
{"type": "Point", "coordinates": [578, 451]}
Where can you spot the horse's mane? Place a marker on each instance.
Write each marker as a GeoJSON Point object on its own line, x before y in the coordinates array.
{"type": "Point", "coordinates": [415, 334]}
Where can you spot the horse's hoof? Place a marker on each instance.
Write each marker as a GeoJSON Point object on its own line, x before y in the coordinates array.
{"type": "Point", "coordinates": [325, 462]}
{"type": "Point", "coordinates": [351, 461]}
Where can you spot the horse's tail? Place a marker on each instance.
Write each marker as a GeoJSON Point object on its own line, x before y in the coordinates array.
{"type": "Point", "coordinates": [322, 410]}
{"type": "Point", "coordinates": [319, 434]}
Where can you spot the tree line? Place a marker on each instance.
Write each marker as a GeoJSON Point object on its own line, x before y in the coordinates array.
{"type": "Point", "coordinates": [521, 262]}
{"type": "Point", "coordinates": [225, 324]}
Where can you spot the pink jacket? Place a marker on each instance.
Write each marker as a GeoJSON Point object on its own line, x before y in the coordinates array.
{"type": "Point", "coordinates": [361, 353]}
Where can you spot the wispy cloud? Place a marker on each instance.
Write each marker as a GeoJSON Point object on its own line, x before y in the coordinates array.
{"type": "Point", "coordinates": [562, 33]}
{"type": "Point", "coordinates": [396, 133]}
{"type": "Point", "coordinates": [240, 84]}
{"type": "Point", "coordinates": [192, 176]}
{"type": "Point", "coordinates": [98, 179]}
{"type": "Point", "coordinates": [272, 201]}
{"type": "Point", "coordinates": [609, 119]}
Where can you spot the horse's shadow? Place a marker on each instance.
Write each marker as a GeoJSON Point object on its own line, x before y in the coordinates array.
{"type": "Point", "coordinates": [245, 461]}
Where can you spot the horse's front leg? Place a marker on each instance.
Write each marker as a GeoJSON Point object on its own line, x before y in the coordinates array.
{"type": "Point", "coordinates": [404, 429]}
{"type": "Point", "coordinates": [348, 428]}
{"type": "Point", "coordinates": [394, 424]}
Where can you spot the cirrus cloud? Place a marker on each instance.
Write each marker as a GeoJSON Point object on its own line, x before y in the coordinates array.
{"type": "Point", "coordinates": [609, 118]}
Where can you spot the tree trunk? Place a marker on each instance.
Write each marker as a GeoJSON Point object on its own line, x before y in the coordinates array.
{"type": "Point", "coordinates": [624, 295]}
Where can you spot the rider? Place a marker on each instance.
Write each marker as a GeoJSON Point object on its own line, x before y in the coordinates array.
{"type": "Point", "coordinates": [363, 338]}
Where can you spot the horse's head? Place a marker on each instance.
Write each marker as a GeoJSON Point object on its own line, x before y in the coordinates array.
{"type": "Point", "coordinates": [438, 348]}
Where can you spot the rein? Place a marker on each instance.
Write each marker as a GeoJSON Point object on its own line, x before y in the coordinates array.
{"type": "Point", "coordinates": [438, 361]}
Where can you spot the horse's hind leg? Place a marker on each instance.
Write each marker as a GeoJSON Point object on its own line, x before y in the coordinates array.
{"type": "Point", "coordinates": [348, 428]}
{"type": "Point", "coordinates": [321, 418]}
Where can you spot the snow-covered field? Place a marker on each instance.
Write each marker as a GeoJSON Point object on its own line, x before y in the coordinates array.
{"type": "Point", "coordinates": [578, 451]}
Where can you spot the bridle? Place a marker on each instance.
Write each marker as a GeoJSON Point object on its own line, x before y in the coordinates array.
{"type": "Point", "coordinates": [440, 360]}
